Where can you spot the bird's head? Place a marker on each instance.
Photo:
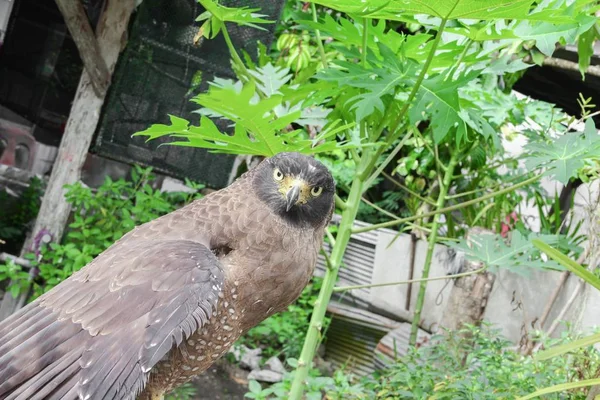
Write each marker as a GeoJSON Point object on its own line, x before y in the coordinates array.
{"type": "Point", "coordinates": [296, 187]}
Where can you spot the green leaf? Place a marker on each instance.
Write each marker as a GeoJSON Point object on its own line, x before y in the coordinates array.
{"type": "Point", "coordinates": [216, 15]}
{"type": "Point", "coordinates": [451, 9]}
{"type": "Point", "coordinates": [566, 155]}
{"type": "Point", "coordinates": [585, 49]}
{"type": "Point", "coordinates": [382, 78]}
{"type": "Point", "coordinates": [350, 33]}
{"type": "Point", "coordinates": [438, 98]}
{"type": "Point", "coordinates": [546, 35]}
{"type": "Point", "coordinates": [270, 79]}
{"type": "Point", "coordinates": [568, 263]}
{"type": "Point", "coordinates": [254, 386]}
{"type": "Point", "coordinates": [495, 253]}
{"type": "Point", "coordinates": [568, 347]}
{"type": "Point", "coordinates": [562, 388]}
{"type": "Point", "coordinates": [15, 290]}
{"type": "Point", "coordinates": [257, 130]}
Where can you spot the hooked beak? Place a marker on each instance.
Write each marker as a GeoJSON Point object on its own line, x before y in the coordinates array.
{"type": "Point", "coordinates": [291, 197]}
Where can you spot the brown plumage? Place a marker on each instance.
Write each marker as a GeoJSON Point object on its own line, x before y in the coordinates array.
{"type": "Point", "coordinates": [170, 297]}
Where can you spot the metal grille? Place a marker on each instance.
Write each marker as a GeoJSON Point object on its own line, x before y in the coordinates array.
{"type": "Point", "coordinates": [159, 72]}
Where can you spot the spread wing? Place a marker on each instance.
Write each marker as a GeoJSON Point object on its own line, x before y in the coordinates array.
{"type": "Point", "coordinates": [98, 334]}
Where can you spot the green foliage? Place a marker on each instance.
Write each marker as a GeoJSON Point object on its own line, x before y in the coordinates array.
{"type": "Point", "coordinates": [476, 363]}
{"type": "Point", "coordinates": [585, 49]}
{"type": "Point", "coordinates": [184, 392]}
{"type": "Point", "coordinates": [515, 254]}
{"type": "Point", "coordinates": [217, 15]}
{"type": "Point", "coordinates": [473, 363]}
{"type": "Point", "coordinates": [315, 385]}
{"type": "Point", "coordinates": [100, 218]}
{"type": "Point", "coordinates": [282, 334]}
{"type": "Point", "coordinates": [17, 213]}
{"type": "Point", "coordinates": [13, 272]}
{"type": "Point", "coordinates": [577, 345]}
{"type": "Point", "coordinates": [567, 155]}
{"type": "Point", "coordinates": [257, 129]}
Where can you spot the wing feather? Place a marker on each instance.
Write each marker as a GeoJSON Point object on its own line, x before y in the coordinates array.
{"type": "Point", "coordinates": [98, 334]}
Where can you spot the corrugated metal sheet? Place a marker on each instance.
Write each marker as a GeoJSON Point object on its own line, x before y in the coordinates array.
{"type": "Point", "coordinates": [352, 337]}
{"type": "Point", "coordinates": [357, 265]}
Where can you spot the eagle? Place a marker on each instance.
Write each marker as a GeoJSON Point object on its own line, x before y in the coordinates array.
{"type": "Point", "coordinates": [170, 297]}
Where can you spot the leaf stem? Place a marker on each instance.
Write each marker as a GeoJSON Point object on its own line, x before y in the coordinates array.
{"type": "Point", "coordinates": [340, 203]}
{"type": "Point", "coordinates": [430, 249]}
{"type": "Point", "coordinates": [436, 278]}
{"type": "Point", "coordinates": [318, 36]}
{"type": "Point", "coordinates": [387, 160]}
{"type": "Point", "coordinates": [234, 55]}
{"type": "Point", "coordinates": [450, 208]}
{"type": "Point", "coordinates": [494, 187]}
{"type": "Point", "coordinates": [363, 56]}
{"type": "Point", "coordinates": [406, 189]}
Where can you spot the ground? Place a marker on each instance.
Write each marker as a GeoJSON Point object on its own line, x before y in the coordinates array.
{"type": "Point", "coordinates": [222, 381]}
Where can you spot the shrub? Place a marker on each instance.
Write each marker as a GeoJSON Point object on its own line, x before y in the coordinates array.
{"type": "Point", "coordinates": [474, 363]}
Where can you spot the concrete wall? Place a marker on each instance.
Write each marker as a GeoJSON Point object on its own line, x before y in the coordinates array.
{"type": "Point", "coordinates": [517, 300]}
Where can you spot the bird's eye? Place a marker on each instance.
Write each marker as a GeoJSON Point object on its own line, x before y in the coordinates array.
{"type": "Point", "coordinates": [277, 174]}
{"type": "Point", "coordinates": [316, 191]}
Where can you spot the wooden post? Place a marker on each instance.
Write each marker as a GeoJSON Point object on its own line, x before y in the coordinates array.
{"type": "Point", "coordinates": [469, 294]}
{"type": "Point", "coordinates": [83, 119]}
{"type": "Point", "coordinates": [89, 49]}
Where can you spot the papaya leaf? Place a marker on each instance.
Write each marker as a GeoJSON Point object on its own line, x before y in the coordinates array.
{"type": "Point", "coordinates": [438, 100]}
{"type": "Point", "coordinates": [515, 256]}
{"type": "Point", "coordinates": [257, 130]}
{"type": "Point", "coordinates": [270, 79]}
{"type": "Point", "coordinates": [398, 10]}
{"type": "Point", "coordinates": [565, 156]}
{"type": "Point", "coordinates": [585, 49]}
{"type": "Point", "coordinates": [216, 15]}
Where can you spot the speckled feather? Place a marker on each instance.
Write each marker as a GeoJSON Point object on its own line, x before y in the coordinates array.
{"type": "Point", "coordinates": [164, 302]}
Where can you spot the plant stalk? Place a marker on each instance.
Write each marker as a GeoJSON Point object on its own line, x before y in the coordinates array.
{"type": "Point", "coordinates": [414, 330]}
{"type": "Point", "coordinates": [318, 37]}
{"type": "Point", "coordinates": [234, 55]}
{"type": "Point", "coordinates": [436, 278]}
{"type": "Point", "coordinates": [450, 208]}
{"type": "Point", "coordinates": [341, 242]}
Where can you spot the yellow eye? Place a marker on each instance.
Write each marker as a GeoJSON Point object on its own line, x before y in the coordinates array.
{"type": "Point", "coordinates": [277, 174]}
{"type": "Point", "coordinates": [316, 191]}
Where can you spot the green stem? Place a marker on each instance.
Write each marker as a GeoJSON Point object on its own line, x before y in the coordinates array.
{"type": "Point", "coordinates": [234, 55]}
{"type": "Point", "coordinates": [406, 189]}
{"type": "Point", "coordinates": [448, 209]}
{"type": "Point", "coordinates": [318, 36]}
{"type": "Point", "coordinates": [316, 321]}
{"type": "Point", "coordinates": [364, 42]}
{"type": "Point", "coordinates": [414, 330]}
{"type": "Point", "coordinates": [339, 203]}
{"type": "Point", "coordinates": [437, 278]}
{"type": "Point", "coordinates": [387, 160]}
{"type": "Point", "coordinates": [483, 189]}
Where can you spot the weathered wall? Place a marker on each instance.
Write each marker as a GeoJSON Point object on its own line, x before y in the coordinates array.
{"type": "Point", "coordinates": [515, 304]}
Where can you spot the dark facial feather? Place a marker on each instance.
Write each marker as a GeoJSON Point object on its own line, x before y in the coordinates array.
{"type": "Point", "coordinates": [317, 210]}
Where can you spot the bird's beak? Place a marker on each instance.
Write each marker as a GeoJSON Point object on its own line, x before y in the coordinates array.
{"type": "Point", "coordinates": [292, 196]}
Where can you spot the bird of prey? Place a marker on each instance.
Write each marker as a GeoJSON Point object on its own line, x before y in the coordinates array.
{"type": "Point", "coordinates": [169, 298]}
